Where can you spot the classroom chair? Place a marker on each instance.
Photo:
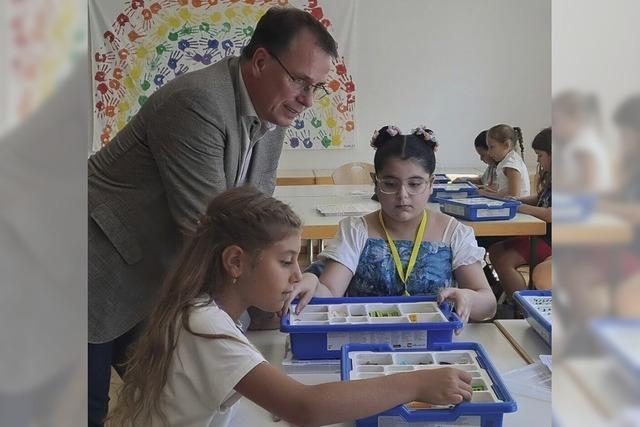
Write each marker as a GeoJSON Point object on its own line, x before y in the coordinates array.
{"type": "Point", "coordinates": [353, 173]}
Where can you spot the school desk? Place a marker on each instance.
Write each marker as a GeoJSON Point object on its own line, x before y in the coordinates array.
{"type": "Point", "coordinates": [600, 229]}
{"type": "Point", "coordinates": [524, 339]}
{"type": "Point", "coordinates": [324, 176]}
{"type": "Point", "coordinates": [600, 379]}
{"type": "Point", "coordinates": [295, 177]}
{"type": "Point", "coordinates": [572, 407]}
{"type": "Point", "coordinates": [531, 412]}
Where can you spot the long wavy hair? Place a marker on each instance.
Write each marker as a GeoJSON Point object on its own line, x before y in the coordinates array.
{"type": "Point", "coordinates": [241, 216]}
{"type": "Point", "coordinates": [542, 142]}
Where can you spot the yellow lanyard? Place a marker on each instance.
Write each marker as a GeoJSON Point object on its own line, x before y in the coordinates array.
{"type": "Point", "coordinates": [414, 252]}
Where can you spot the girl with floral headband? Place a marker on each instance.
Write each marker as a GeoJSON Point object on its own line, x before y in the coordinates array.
{"type": "Point", "coordinates": [403, 248]}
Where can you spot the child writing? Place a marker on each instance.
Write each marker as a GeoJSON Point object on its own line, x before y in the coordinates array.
{"type": "Point", "coordinates": [506, 256]}
{"type": "Point", "coordinates": [488, 178]}
{"type": "Point", "coordinates": [192, 363]}
{"type": "Point", "coordinates": [512, 176]}
{"type": "Point", "coordinates": [403, 248]}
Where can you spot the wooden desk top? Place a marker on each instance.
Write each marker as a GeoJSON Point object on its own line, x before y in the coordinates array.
{"type": "Point", "coordinates": [295, 177]}
{"type": "Point", "coordinates": [304, 199]}
{"type": "Point", "coordinates": [524, 338]}
{"type": "Point", "coordinates": [599, 229]}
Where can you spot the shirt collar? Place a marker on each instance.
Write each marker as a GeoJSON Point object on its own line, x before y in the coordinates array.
{"type": "Point", "coordinates": [246, 106]}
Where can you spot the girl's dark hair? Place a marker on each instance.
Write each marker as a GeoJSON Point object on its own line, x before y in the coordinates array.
{"type": "Point", "coordinates": [280, 25]}
{"type": "Point", "coordinates": [628, 113]}
{"type": "Point", "coordinates": [481, 140]}
{"type": "Point", "coordinates": [505, 133]}
{"type": "Point", "coordinates": [542, 142]}
{"type": "Point", "coordinates": [241, 216]}
{"type": "Point", "coordinates": [419, 146]}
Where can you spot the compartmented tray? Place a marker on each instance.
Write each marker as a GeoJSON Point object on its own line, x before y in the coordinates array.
{"type": "Point", "coordinates": [440, 178]}
{"type": "Point", "coordinates": [537, 307]}
{"type": "Point", "coordinates": [326, 324]}
{"type": "Point", "coordinates": [621, 338]}
{"type": "Point", "coordinates": [452, 190]}
{"type": "Point", "coordinates": [480, 208]}
{"type": "Point", "coordinates": [490, 399]}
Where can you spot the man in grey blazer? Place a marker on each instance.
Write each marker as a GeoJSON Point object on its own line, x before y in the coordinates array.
{"type": "Point", "coordinates": [205, 131]}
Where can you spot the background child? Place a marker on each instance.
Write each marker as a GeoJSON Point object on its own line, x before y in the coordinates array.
{"type": "Point", "coordinates": [488, 178]}
{"type": "Point", "coordinates": [403, 248]}
{"type": "Point", "coordinates": [506, 256]}
{"type": "Point", "coordinates": [512, 176]}
{"type": "Point", "coordinates": [192, 362]}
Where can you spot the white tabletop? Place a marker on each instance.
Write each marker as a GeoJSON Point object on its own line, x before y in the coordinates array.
{"type": "Point", "coordinates": [531, 412]}
{"type": "Point", "coordinates": [305, 198]}
{"type": "Point", "coordinates": [524, 338]}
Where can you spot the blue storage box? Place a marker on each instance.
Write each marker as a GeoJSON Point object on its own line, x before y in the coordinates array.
{"type": "Point", "coordinates": [537, 308]}
{"type": "Point", "coordinates": [453, 190]}
{"type": "Point", "coordinates": [480, 208]}
{"type": "Point", "coordinates": [621, 338]}
{"type": "Point", "coordinates": [326, 324]}
{"type": "Point", "coordinates": [490, 400]}
{"type": "Point", "coordinates": [570, 208]}
{"type": "Point", "coordinates": [440, 178]}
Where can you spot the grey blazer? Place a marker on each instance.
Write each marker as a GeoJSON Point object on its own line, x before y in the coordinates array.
{"type": "Point", "coordinates": [150, 184]}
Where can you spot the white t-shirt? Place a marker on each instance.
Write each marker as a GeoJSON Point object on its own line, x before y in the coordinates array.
{"type": "Point", "coordinates": [513, 161]}
{"type": "Point", "coordinates": [204, 371]}
{"type": "Point", "coordinates": [586, 143]}
{"type": "Point", "coordinates": [352, 236]}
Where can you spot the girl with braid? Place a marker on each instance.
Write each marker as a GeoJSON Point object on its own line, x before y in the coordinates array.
{"type": "Point", "coordinates": [512, 176]}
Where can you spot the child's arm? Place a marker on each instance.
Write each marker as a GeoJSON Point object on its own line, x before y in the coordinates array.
{"type": "Point", "coordinates": [540, 213]}
{"type": "Point", "coordinates": [471, 179]}
{"type": "Point", "coordinates": [333, 282]}
{"type": "Point", "coordinates": [315, 405]}
{"type": "Point", "coordinates": [529, 200]}
{"type": "Point", "coordinates": [473, 298]}
{"type": "Point", "coordinates": [513, 180]}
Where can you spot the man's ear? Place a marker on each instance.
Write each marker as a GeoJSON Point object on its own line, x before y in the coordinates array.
{"type": "Point", "coordinates": [233, 260]}
{"type": "Point", "coordinates": [259, 62]}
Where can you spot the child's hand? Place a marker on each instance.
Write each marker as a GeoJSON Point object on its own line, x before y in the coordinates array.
{"type": "Point", "coordinates": [305, 288]}
{"type": "Point", "coordinates": [444, 386]}
{"type": "Point", "coordinates": [461, 299]}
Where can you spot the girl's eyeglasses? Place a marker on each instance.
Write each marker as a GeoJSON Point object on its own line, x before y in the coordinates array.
{"type": "Point", "coordinates": [414, 186]}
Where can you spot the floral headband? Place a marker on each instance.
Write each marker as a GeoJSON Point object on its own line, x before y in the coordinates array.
{"type": "Point", "coordinates": [391, 130]}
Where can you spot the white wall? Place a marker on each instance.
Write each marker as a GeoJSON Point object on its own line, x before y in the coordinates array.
{"type": "Point", "coordinates": [457, 66]}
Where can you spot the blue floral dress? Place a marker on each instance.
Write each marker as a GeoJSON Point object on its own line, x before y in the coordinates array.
{"type": "Point", "coordinates": [376, 273]}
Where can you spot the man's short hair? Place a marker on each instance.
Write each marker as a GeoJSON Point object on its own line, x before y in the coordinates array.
{"type": "Point", "coordinates": [280, 25]}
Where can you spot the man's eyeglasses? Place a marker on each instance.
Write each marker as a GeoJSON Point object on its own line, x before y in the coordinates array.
{"type": "Point", "coordinates": [414, 186]}
{"type": "Point", "coordinates": [318, 90]}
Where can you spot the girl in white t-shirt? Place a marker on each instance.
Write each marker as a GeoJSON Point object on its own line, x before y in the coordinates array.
{"type": "Point", "coordinates": [192, 362]}
{"type": "Point", "coordinates": [512, 176]}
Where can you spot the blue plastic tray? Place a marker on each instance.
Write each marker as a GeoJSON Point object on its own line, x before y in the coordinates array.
{"type": "Point", "coordinates": [486, 411]}
{"type": "Point", "coordinates": [440, 178]}
{"type": "Point", "coordinates": [570, 208]}
{"type": "Point", "coordinates": [537, 308]}
{"type": "Point", "coordinates": [331, 324]}
{"type": "Point", "coordinates": [453, 190]}
{"type": "Point", "coordinates": [480, 208]}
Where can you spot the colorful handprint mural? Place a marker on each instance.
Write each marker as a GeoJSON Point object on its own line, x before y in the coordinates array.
{"type": "Point", "coordinates": [149, 42]}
